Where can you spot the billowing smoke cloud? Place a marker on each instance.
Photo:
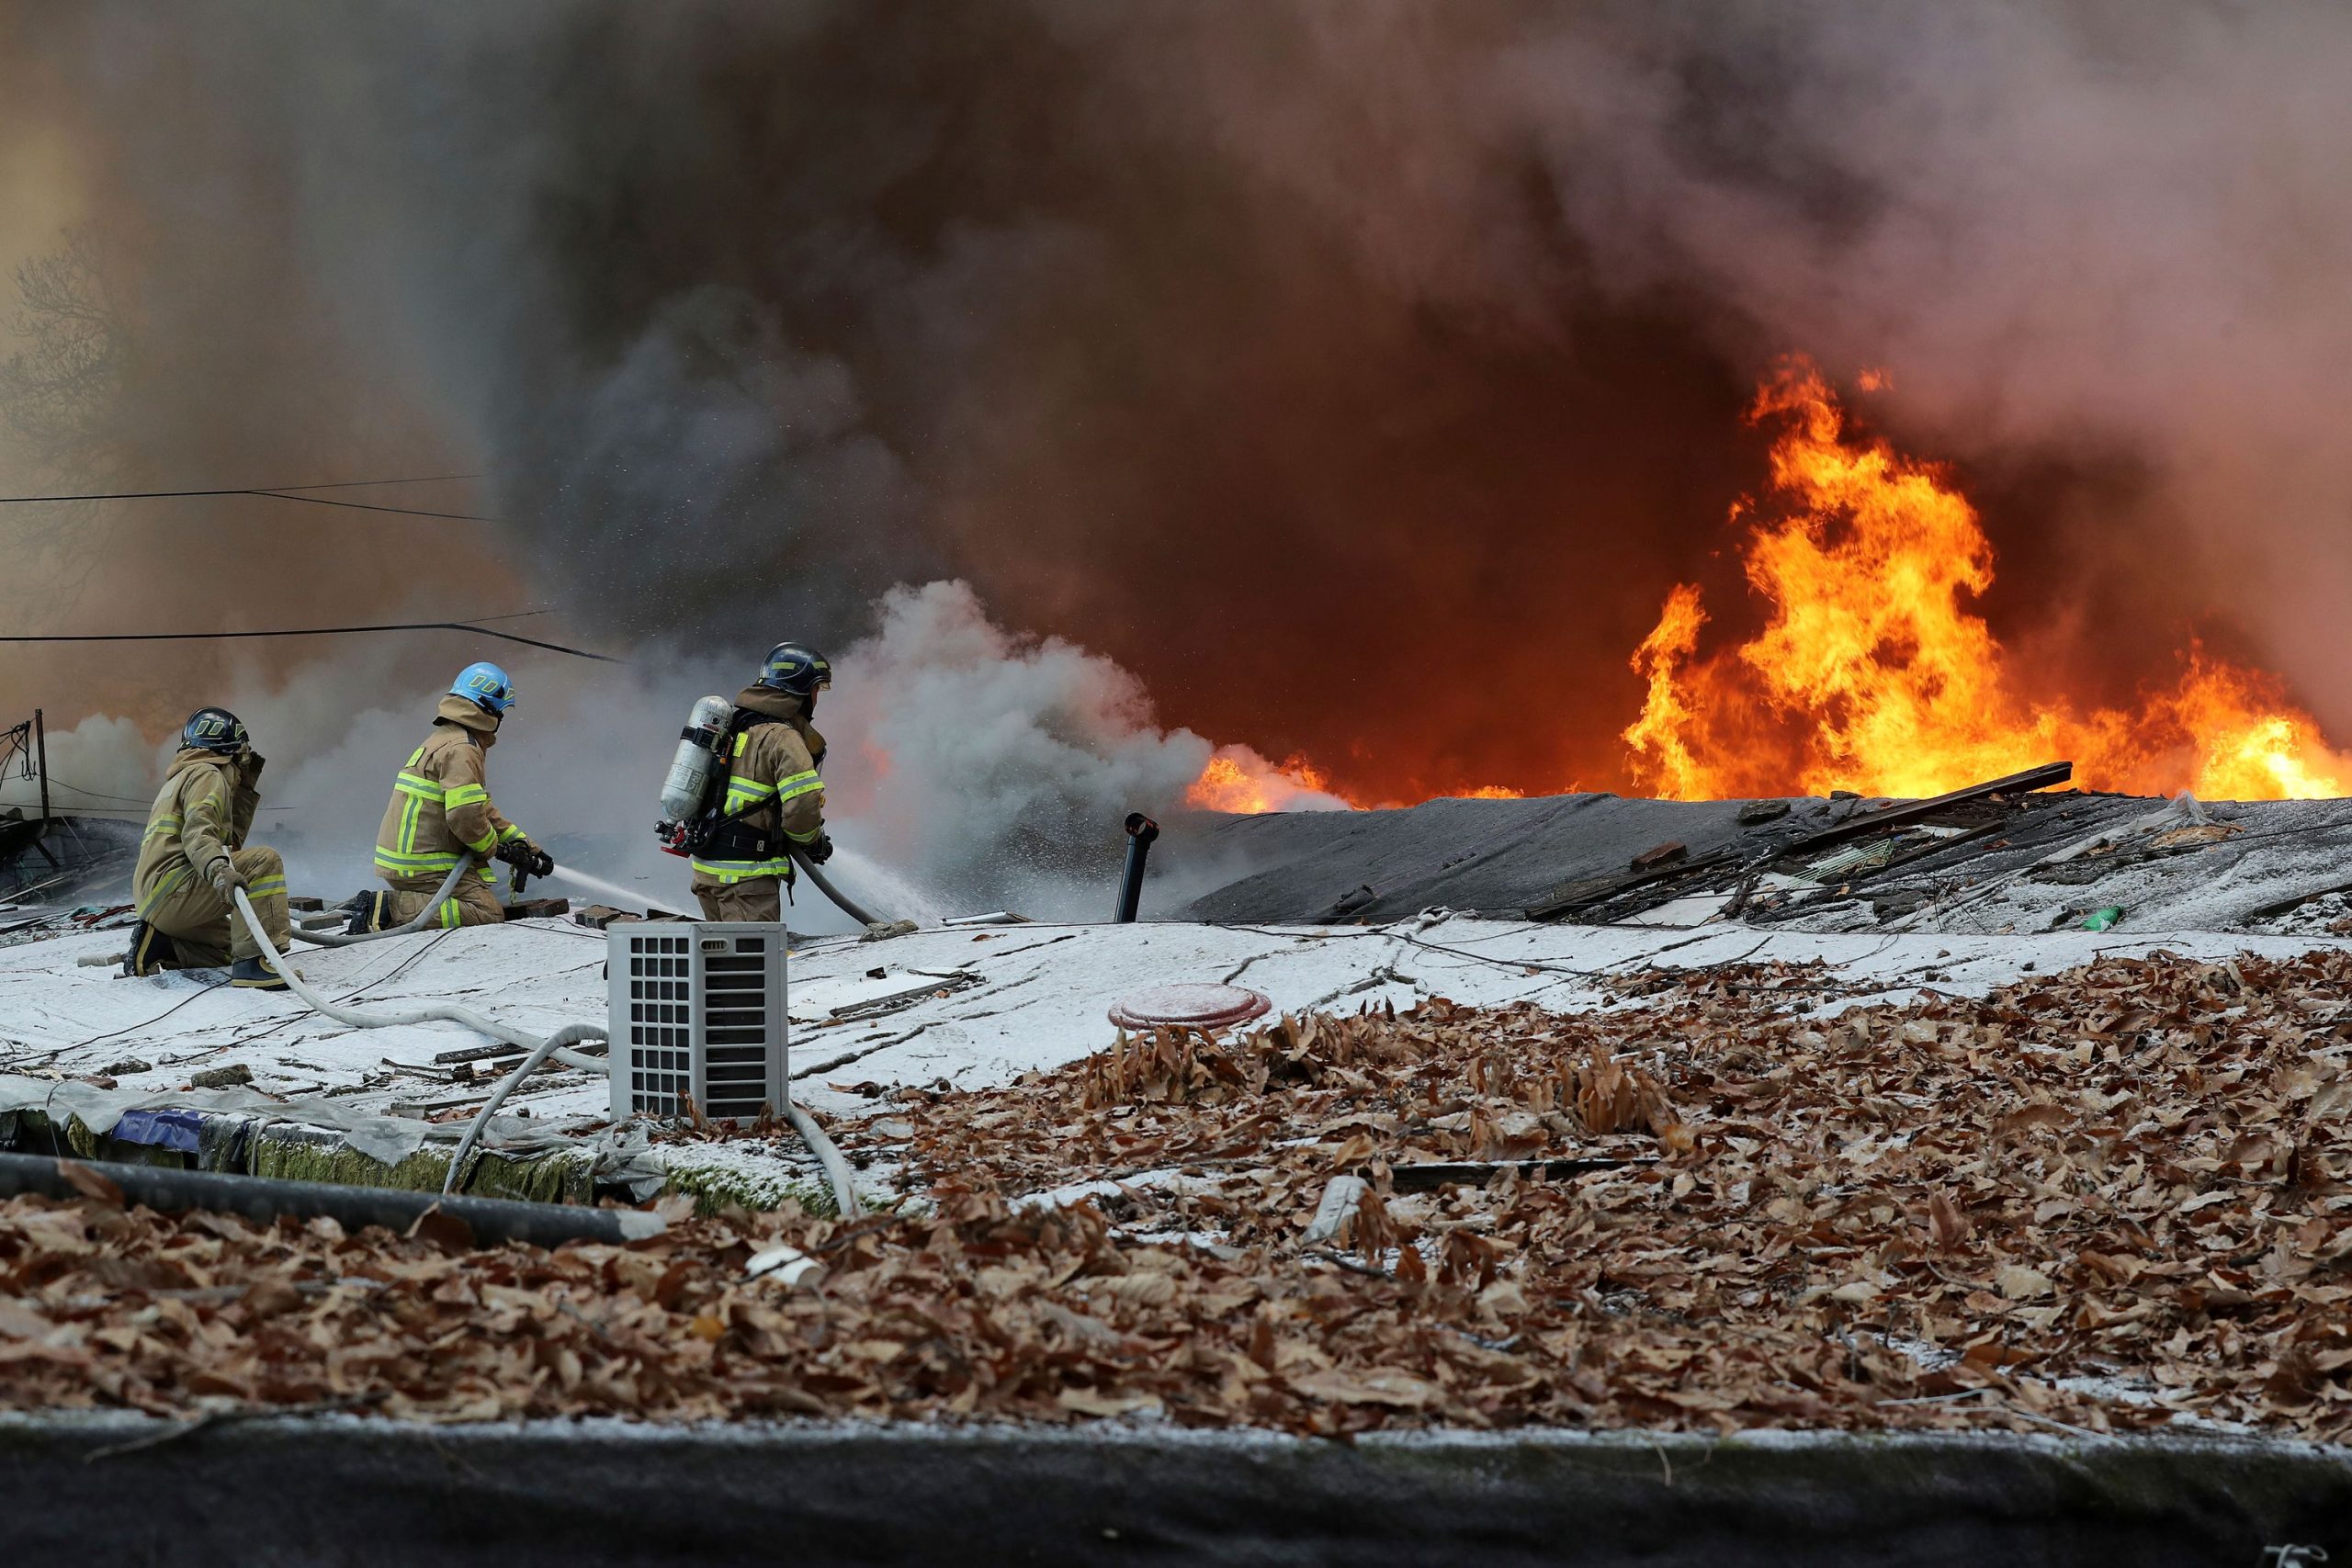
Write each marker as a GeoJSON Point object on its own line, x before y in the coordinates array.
{"type": "Point", "coordinates": [967, 767]}
{"type": "Point", "coordinates": [1359, 378]}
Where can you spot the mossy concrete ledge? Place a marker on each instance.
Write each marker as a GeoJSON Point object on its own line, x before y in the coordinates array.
{"type": "Point", "coordinates": [352, 1490]}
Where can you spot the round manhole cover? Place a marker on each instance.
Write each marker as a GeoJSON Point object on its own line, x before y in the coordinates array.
{"type": "Point", "coordinates": [1189, 1006]}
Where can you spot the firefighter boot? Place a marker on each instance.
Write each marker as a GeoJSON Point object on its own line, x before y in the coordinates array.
{"type": "Point", "coordinates": [367, 912]}
{"type": "Point", "coordinates": [150, 951]}
{"type": "Point", "coordinates": [256, 975]}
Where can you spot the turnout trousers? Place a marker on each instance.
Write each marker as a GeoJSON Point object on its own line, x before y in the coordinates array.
{"type": "Point", "coordinates": [474, 901]}
{"type": "Point", "coordinates": [206, 932]}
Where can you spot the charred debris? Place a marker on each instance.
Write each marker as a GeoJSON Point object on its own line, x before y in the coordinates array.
{"type": "Point", "coordinates": [2020, 854]}
{"type": "Point", "coordinates": [46, 855]}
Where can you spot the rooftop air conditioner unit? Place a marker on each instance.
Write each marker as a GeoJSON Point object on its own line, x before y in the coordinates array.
{"type": "Point", "coordinates": [698, 1010]}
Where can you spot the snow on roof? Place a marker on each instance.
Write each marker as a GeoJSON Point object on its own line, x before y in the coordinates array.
{"type": "Point", "coordinates": [969, 1008]}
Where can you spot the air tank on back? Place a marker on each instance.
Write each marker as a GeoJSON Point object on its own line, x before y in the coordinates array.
{"type": "Point", "coordinates": [690, 770]}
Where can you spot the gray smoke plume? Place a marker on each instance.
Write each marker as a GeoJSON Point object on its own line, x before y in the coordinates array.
{"type": "Point", "coordinates": [969, 768]}
{"type": "Point", "coordinates": [1359, 378]}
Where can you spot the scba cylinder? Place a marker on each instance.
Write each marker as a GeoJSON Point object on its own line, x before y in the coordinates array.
{"type": "Point", "coordinates": [697, 756]}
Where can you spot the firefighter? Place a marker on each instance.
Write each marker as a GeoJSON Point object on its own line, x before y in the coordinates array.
{"type": "Point", "coordinates": [194, 856]}
{"type": "Point", "coordinates": [774, 801]}
{"type": "Point", "coordinates": [441, 812]}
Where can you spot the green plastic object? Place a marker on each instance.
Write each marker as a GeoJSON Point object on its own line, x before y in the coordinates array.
{"type": "Point", "coordinates": [2100, 919]}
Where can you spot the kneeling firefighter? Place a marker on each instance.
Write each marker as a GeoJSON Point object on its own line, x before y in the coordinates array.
{"type": "Point", "coordinates": [194, 856]}
{"type": "Point", "coordinates": [441, 811]}
{"type": "Point", "coordinates": [738, 842]}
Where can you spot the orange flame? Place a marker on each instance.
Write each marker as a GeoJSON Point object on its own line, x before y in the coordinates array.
{"type": "Point", "coordinates": [1871, 674]}
{"type": "Point", "coordinates": [1238, 780]}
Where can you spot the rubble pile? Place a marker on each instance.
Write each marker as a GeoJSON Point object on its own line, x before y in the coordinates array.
{"type": "Point", "coordinates": [2099, 1201]}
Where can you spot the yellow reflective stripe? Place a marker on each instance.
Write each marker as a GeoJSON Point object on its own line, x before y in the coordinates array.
{"type": "Point", "coordinates": [808, 837]}
{"type": "Point", "coordinates": [159, 827]}
{"type": "Point", "coordinates": [265, 886]}
{"type": "Point", "coordinates": [450, 914]}
{"type": "Point", "coordinates": [422, 788]}
{"type": "Point", "coordinates": [164, 884]}
{"type": "Point", "coordinates": [742, 740]}
{"type": "Point", "coordinates": [730, 871]}
{"type": "Point", "coordinates": [509, 833]}
{"type": "Point", "coordinates": [402, 865]}
{"type": "Point", "coordinates": [464, 794]}
{"type": "Point", "coordinates": [791, 779]}
{"type": "Point", "coordinates": [482, 845]}
{"type": "Point", "coordinates": [813, 784]}
{"type": "Point", "coordinates": [408, 814]}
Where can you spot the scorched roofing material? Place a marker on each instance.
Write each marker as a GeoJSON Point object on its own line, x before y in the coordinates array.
{"type": "Point", "coordinates": [2011, 872]}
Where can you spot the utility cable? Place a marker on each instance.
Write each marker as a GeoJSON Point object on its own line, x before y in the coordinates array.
{"type": "Point", "coordinates": [365, 506]}
{"type": "Point", "coordinates": [476, 629]}
{"type": "Point", "coordinates": [271, 492]}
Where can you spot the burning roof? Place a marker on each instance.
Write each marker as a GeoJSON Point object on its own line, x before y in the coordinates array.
{"type": "Point", "coordinates": [2003, 857]}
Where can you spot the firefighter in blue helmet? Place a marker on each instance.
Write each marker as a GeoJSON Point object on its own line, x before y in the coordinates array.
{"type": "Point", "coordinates": [775, 802]}
{"type": "Point", "coordinates": [441, 813]}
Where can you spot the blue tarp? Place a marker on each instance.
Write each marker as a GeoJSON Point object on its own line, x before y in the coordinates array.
{"type": "Point", "coordinates": [161, 1129]}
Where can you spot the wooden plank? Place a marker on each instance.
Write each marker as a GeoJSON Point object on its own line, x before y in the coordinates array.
{"type": "Point", "coordinates": [538, 908]}
{"type": "Point", "coordinates": [479, 1053]}
{"type": "Point", "coordinates": [1672, 852]}
{"type": "Point", "coordinates": [1873, 822]}
{"type": "Point", "coordinates": [1585, 892]}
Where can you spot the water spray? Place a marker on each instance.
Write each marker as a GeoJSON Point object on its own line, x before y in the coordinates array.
{"type": "Point", "coordinates": [617, 894]}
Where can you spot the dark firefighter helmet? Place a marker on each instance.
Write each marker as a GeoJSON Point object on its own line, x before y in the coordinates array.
{"type": "Point", "coordinates": [797, 668]}
{"type": "Point", "coordinates": [214, 729]}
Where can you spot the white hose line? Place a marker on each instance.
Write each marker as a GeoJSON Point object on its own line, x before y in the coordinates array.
{"type": "Point", "coordinates": [568, 1034]}
{"type": "Point", "coordinates": [431, 1012]}
{"type": "Point", "coordinates": [553, 1046]}
{"type": "Point", "coordinates": [340, 939]}
{"type": "Point", "coordinates": [836, 1167]}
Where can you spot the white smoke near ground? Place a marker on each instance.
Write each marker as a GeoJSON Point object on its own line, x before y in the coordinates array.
{"type": "Point", "coordinates": [969, 769]}
{"type": "Point", "coordinates": [1000, 765]}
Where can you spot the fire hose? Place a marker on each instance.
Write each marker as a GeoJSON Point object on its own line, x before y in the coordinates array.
{"type": "Point", "coordinates": [414, 922]}
{"type": "Point", "coordinates": [841, 900]}
{"type": "Point", "coordinates": [556, 1046]}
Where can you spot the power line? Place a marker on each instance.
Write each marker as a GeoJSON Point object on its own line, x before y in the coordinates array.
{"type": "Point", "coordinates": [273, 493]}
{"type": "Point", "coordinates": [363, 506]}
{"type": "Point", "coordinates": [316, 631]}
{"type": "Point", "coordinates": [371, 484]}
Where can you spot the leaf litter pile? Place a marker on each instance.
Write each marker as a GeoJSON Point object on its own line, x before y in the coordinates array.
{"type": "Point", "coordinates": [2099, 1201]}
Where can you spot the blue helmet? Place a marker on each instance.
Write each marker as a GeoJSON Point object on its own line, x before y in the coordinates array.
{"type": "Point", "coordinates": [486, 687]}
{"type": "Point", "coordinates": [214, 729]}
{"type": "Point", "coordinates": [797, 668]}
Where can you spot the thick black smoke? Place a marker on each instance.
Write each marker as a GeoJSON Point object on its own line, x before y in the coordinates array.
{"type": "Point", "coordinates": [1360, 375]}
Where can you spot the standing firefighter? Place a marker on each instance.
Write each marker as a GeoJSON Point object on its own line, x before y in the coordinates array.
{"type": "Point", "coordinates": [774, 798]}
{"type": "Point", "coordinates": [194, 857]}
{"type": "Point", "coordinates": [441, 812]}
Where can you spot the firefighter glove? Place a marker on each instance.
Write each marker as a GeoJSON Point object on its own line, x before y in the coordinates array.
{"type": "Point", "coordinates": [822, 851]}
{"type": "Point", "coordinates": [227, 878]}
